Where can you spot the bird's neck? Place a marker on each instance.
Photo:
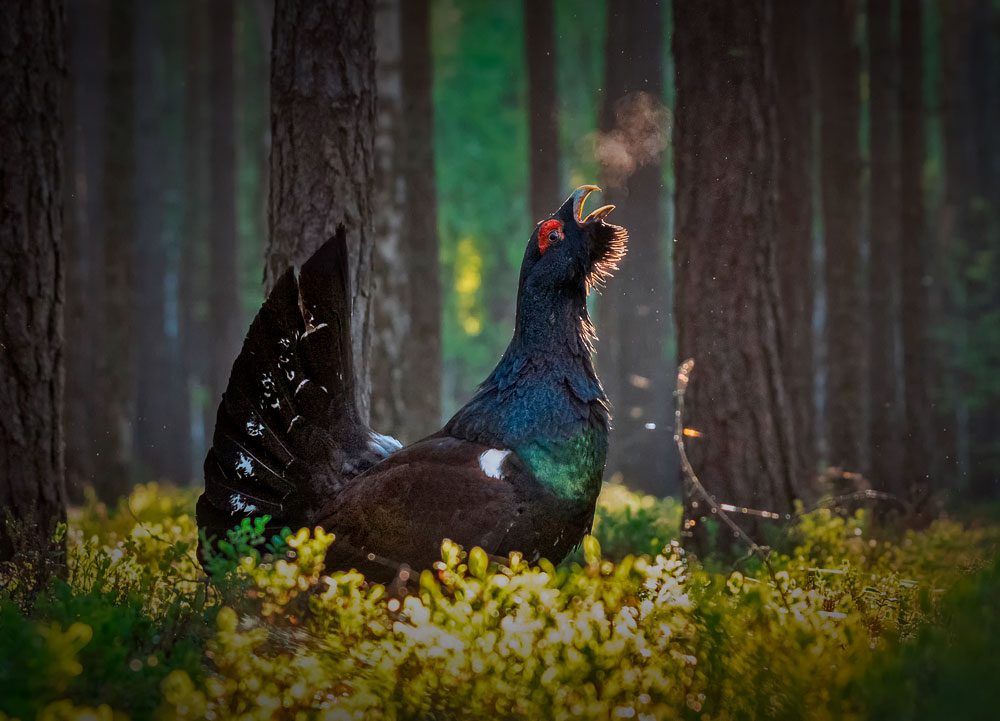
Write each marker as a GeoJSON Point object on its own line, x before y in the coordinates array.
{"type": "Point", "coordinates": [552, 320]}
{"type": "Point", "coordinates": [557, 421]}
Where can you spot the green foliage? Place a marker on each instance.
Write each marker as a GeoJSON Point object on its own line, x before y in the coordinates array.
{"type": "Point", "coordinates": [841, 623]}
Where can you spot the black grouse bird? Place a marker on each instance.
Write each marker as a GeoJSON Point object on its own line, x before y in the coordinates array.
{"type": "Point", "coordinates": [518, 468]}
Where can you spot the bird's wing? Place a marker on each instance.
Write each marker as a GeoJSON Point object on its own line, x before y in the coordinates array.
{"type": "Point", "coordinates": [287, 434]}
{"type": "Point", "coordinates": [443, 487]}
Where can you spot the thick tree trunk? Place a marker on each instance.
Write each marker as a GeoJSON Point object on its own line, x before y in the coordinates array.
{"type": "Point", "coordinates": [884, 261]}
{"type": "Point", "coordinates": [322, 146]}
{"type": "Point", "coordinates": [791, 62]}
{"type": "Point", "coordinates": [115, 376]}
{"type": "Point", "coordinates": [840, 168]}
{"type": "Point", "coordinates": [543, 119]}
{"type": "Point", "coordinates": [224, 314]}
{"type": "Point", "coordinates": [633, 310]}
{"type": "Point", "coordinates": [32, 474]}
{"type": "Point", "coordinates": [727, 286]}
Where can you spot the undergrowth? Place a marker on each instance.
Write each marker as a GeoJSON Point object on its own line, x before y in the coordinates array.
{"type": "Point", "coordinates": [853, 623]}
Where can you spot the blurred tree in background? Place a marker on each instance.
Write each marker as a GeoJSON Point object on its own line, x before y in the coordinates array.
{"type": "Point", "coordinates": [881, 192]}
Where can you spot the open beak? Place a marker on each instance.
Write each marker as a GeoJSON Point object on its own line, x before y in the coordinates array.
{"type": "Point", "coordinates": [580, 197]}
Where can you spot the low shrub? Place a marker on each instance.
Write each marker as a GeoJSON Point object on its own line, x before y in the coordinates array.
{"type": "Point", "coordinates": [838, 623]}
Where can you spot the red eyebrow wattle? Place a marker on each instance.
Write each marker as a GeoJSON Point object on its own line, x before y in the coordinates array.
{"type": "Point", "coordinates": [543, 234]}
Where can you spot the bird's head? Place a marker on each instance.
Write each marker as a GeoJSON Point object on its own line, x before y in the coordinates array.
{"type": "Point", "coordinates": [568, 251]}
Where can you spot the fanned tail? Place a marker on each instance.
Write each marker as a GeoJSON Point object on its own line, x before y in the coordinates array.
{"type": "Point", "coordinates": [287, 434]}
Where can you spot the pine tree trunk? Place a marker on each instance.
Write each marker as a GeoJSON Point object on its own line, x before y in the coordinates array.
{"type": "Point", "coordinates": [82, 231]}
{"type": "Point", "coordinates": [157, 447]}
{"type": "Point", "coordinates": [840, 169]}
{"type": "Point", "coordinates": [633, 310]}
{"type": "Point", "coordinates": [224, 312]}
{"type": "Point", "coordinates": [391, 322]}
{"type": "Point", "coordinates": [116, 365]}
{"type": "Point", "coordinates": [791, 61]}
{"type": "Point", "coordinates": [543, 119]}
{"type": "Point", "coordinates": [32, 474]}
{"type": "Point", "coordinates": [915, 340]}
{"type": "Point", "coordinates": [423, 348]}
{"type": "Point", "coordinates": [727, 287]}
{"type": "Point", "coordinates": [322, 146]}
{"type": "Point", "coordinates": [193, 276]}
{"type": "Point", "coordinates": [884, 259]}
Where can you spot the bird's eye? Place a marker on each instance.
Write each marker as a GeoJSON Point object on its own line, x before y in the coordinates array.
{"type": "Point", "coordinates": [550, 232]}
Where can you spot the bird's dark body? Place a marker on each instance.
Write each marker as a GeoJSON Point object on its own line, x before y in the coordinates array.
{"type": "Point", "coordinates": [518, 468]}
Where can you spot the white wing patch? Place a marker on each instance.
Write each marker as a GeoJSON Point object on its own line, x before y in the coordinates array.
{"type": "Point", "coordinates": [491, 460]}
{"type": "Point", "coordinates": [383, 445]}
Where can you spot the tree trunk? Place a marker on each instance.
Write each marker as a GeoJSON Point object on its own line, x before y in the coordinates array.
{"type": "Point", "coordinates": [224, 314]}
{"type": "Point", "coordinates": [322, 146]}
{"type": "Point", "coordinates": [633, 316]}
{"type": "Point", "coordinates": [192, 307]}
{"type": "Point", "coordinates": [423, 351]}
{"type": "Point", "coordinates": [391, 322]}
{"type": "Point", "coordinates": [546, 190]}
{"type": "Point", "coordinates": [915, 340]}
{"type": "Point", "coordinates": [82, 231]}
{"type": "Point", "coordinates": [790, 44]}
{"type": "Point", "coordinates": [840, 169]}
{"type": "Point", "coordinates": [884, 259]}
{"type": "Point", "coordinates": [727, 287]}
{"type": "Point", "coordinates": [157, 446]}
{"type": "Point", "coordinates": [32, 474]}
{"type": "Point", "coordinates": [115, 376]}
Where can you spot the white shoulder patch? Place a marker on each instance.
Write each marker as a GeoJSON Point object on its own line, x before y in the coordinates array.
{"type": "Point", "coordinates": [491, 460]}
{"type": "Point", "coordinates": [382, 444]}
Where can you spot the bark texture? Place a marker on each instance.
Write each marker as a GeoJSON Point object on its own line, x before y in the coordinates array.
{"type": "Point", "coordinates": [840, 170]}
{"type": "Point", "coordinates": [322, 146]}
{"type": "Point", "coordinates": [727, 286]}
{"type": "Point", "coordinates": [912, 257]}
{"type": "Point", "coordinates": [883, 260]}
{"type": "Point", "coordinates": [32, 474]}
{"type": "Point", "coordinates": [633, 310]}
{"type": "Point", "coordinates": [406, 328]}
{"type": "Point", "coordinates": [794, 97]}
{"type": "Point", "coordinates": [546, 191]}
{"type": "Point", "coordinates": [391, 283]}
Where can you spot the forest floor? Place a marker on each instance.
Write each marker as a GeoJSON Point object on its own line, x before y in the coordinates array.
{"type": "Point", "coordinates": [846, 620]}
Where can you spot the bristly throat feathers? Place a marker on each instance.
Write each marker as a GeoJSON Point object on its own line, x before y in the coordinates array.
{"type": "Point", "coordinates": [543, 400]}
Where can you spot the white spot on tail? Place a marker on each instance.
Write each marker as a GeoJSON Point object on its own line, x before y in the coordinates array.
{"type": "Point", "coordinates": [491, 460]}
{"type": "Point", "coordinates": [244, 467]}
{"type": "Point", "coordinates": [255, 429]}
{"type": "Point", "coordinates": [314, 329]}
{"type": "Point", "coordinates": [241, 506]}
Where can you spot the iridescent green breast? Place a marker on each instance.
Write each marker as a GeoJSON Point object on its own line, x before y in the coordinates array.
{"type": "Point", "coordinates": [571, 468]}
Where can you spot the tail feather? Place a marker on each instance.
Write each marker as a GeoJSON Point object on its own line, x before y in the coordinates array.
{"type": "Point", "coordinates": [287, 433]}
